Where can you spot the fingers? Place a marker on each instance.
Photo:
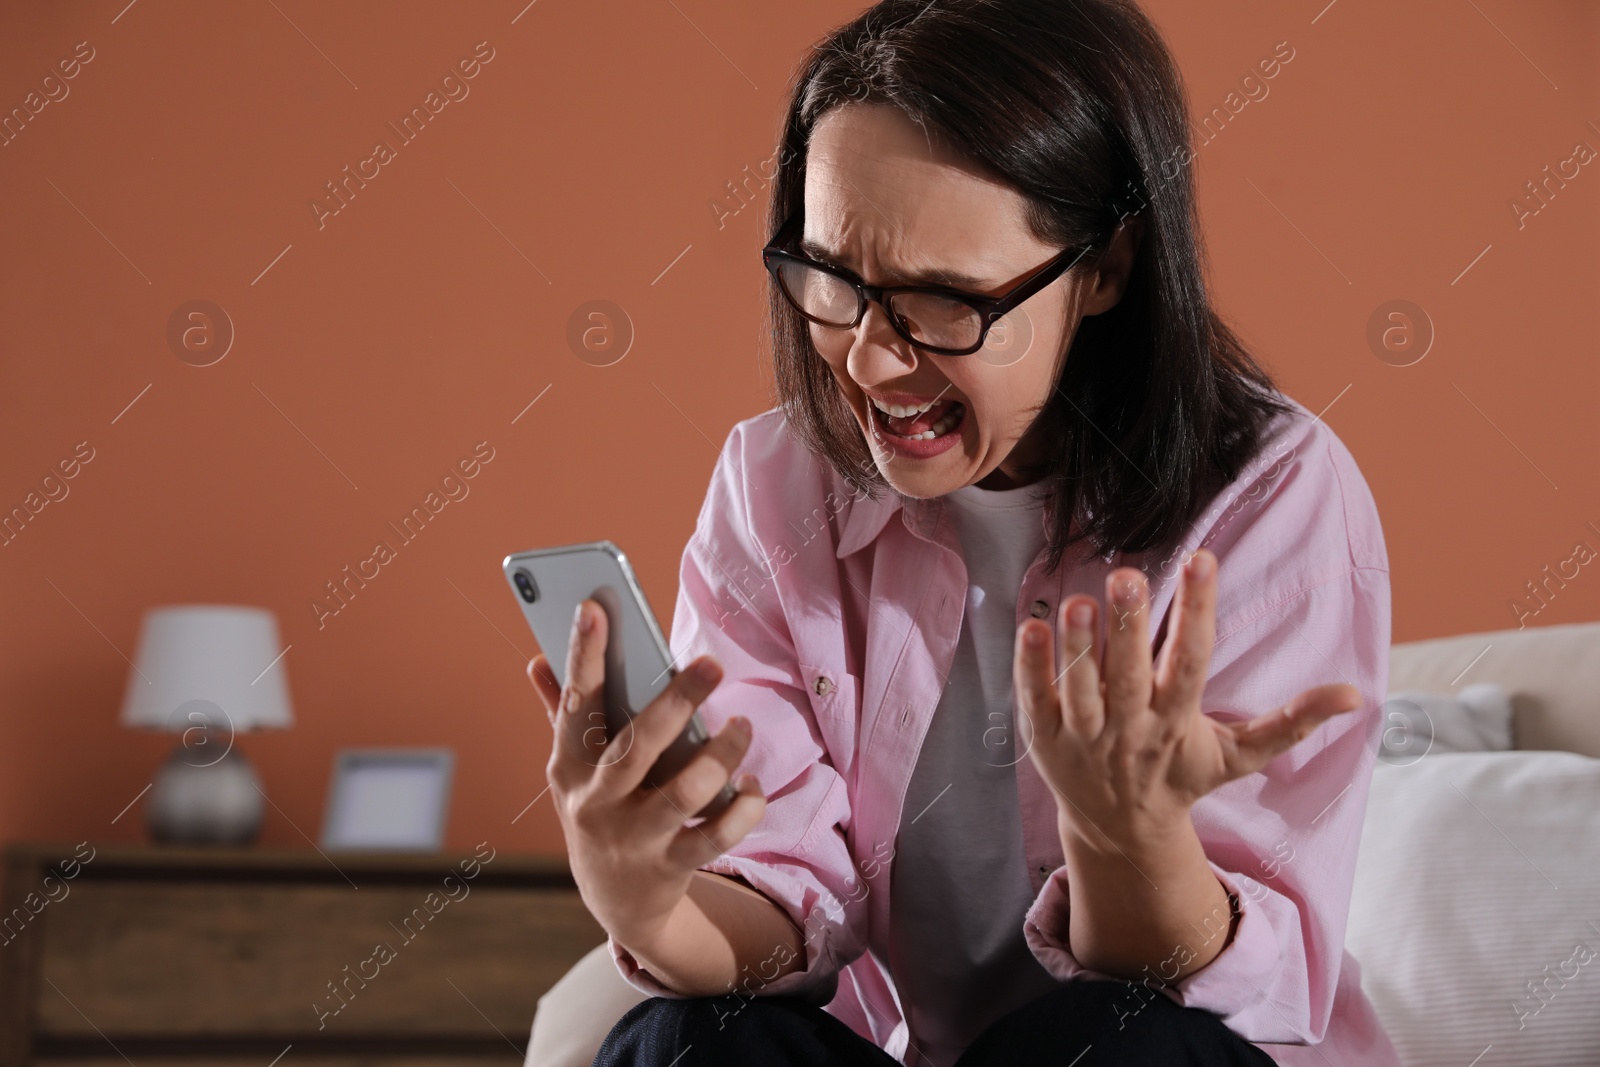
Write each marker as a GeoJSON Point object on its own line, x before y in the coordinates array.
{"type": "Point", "coordinates": [1127, 670]}
{"type": "Point", "coordinates": [580, 723]}
{"type": "Point", "coordinates": [1264, 737]}
{"type": "Point", "coordinates": [695, 846]}
{"type": "Point", "coordinates": [1079, 681]}
{"type": "Point", "coordinates": [670, 803]}
{"type": "Point", "coordinates": [1033, 681]}
{"type": "Point", "coordinates": [639, 744]}
{"type": "Point", "coordinates": [1180, 674]}
{"type": "Point", "coordinates": [544, 683]}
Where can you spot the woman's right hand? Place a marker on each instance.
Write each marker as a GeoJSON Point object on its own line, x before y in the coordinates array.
{"type": "Point", "coordinates": [632, 857]}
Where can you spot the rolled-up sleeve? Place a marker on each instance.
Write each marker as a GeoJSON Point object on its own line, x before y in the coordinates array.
{"type": "Point", "coordinates": [1283, 839]}
{"type": "Point", "coordinates": [797, 856]}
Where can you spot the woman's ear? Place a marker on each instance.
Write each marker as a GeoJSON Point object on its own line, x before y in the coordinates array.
{"type": "Point", "coordinates": [1116, 266]}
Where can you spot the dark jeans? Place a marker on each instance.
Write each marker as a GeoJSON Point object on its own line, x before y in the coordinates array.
{"type": "Point", "coordinates": [1082, 1023]}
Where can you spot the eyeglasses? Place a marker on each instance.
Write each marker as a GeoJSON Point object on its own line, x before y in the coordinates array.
{"type": "Point", "coordinates": [942, 320]}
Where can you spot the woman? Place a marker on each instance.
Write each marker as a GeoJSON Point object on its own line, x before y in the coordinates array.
{"type": "Point", "coordinates": [992, 820]}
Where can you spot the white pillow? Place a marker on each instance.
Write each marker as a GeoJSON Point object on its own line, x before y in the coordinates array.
{"type": "Point", "coordinates": [1415, 723]}
{"type": "Point", "coordinates": [1476, 910]}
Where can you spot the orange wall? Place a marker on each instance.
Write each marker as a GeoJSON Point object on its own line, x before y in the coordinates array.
{"type": "Point", "coordinates": [587, 160]}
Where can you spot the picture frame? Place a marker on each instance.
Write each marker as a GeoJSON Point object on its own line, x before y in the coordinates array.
{"type": "Point", "coordinates": [388, 799]}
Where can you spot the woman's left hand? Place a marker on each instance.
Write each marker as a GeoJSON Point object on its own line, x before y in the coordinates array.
{"type": "Point", "coordinates": [1128, 750]}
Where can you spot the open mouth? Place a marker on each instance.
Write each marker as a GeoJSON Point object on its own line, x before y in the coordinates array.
{"type": "Point", "coordinates": [942, 418]}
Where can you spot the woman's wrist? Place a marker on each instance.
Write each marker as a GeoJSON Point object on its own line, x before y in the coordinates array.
{"type": "Point", "coordinates": [1133, 900]}
{"type": "Point", "coordinates": [722, 935]}
{"type": "Point", "coordinates": [1139, 844]}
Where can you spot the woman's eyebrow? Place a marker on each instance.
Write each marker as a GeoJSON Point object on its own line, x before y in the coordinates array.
{"type": "Point", "coordinates": [937, 276]}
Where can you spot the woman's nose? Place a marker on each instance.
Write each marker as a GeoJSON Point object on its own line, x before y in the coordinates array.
{"type": "Point", "coordinates": [878, 353]}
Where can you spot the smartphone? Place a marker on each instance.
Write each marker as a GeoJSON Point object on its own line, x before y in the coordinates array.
{"type": "Point", "coordinates": [550, 583]}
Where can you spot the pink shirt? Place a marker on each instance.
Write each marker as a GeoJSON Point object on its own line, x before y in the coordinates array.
{"type": "Point", "coordinates": [835, 617]}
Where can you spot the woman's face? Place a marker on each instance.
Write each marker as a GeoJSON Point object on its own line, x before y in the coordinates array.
{"type": "Point", "coordinates": [882, 202]}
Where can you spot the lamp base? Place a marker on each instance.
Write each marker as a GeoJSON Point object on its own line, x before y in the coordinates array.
{"type": "Point", "coordinates": [218, 802]}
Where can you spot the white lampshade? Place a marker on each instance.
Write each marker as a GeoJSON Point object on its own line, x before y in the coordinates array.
{"type": "Point", "coordinates": [208, 658]}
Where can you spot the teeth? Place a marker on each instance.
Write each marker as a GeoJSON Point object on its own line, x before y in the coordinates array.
{"type": "Point", "coordinates": [901, 410]}
{"type": "Point", "coordinates": [946, 423]}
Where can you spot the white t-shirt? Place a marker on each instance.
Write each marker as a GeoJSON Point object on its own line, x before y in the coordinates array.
{"type": "Point", "coordinates": [960, 888]}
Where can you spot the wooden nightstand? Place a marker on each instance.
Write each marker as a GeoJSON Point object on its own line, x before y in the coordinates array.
{"type": "Point", "coordinates": [165, 956]}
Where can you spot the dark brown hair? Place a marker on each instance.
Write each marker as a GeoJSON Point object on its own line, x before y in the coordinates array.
{"type": "Point", "coordinates": [1079, 106]}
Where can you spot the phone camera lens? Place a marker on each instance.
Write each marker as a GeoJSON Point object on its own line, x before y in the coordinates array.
{"type": "Point", "coordinates": [525, 585]}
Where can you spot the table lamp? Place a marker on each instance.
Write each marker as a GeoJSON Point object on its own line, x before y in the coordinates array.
{"type": "Point", "coordinates": [207, 672]}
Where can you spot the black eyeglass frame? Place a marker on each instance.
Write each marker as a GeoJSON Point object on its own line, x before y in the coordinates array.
{"type": "Point", "coordinates": [989, 308]}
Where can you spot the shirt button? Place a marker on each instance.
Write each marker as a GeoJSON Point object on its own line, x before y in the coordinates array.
{"type": "Point", "coordinates": [1044, 870]}
{"type": "Point", "coordinates": [824, 685]}
{"type": "Point", "coordinates": [1039, 610]}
